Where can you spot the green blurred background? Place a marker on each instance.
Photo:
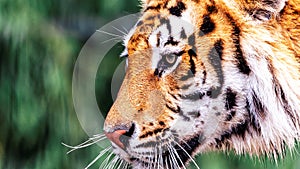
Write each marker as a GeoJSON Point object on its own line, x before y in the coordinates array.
{"type": "Point", "coordinates": [39, 44]}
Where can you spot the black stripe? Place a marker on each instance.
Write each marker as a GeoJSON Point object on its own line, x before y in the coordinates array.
{"type": "Point", "coordinates": [171, 41]}
{"type": "Point", "coordinates": [189, 146]}
{"type": "Point", "coordinates": [211, 9]}
{"type": "Point", "coordinates": [150, 133]}
{"type": "Point", "coordinates": [242, 63]}
{"type": "Point", "coordinates": [280, 93]}
{"type": "Point", "coordinates": [153, 8]}
{"type": "Point", "coordinates": [156, 72]}
{"type": "Point", "coordinates": [186, 77]}
{"type": "Point", "coordinates": [185, 118]}
{"type": "Point", "coordinates": [177, 10]}
{"type": "Point", "coordinates": [258, 105]}
{"type": "Point", "coordinates": [219, 48]}
{"type": "Point", "coordinates": [253, 120]}
{"type": "Point", "coordinates": [230, 116]}
{"type": "Point", "coordinates": [194, 114]}
{"type": "Point", "coordinates": [230, 100]}
{"type": "Point", "coordinates": [261, 14]}
{"type": "Point", "coordinates": [192, 42]}
{"type": "Point", "coordinates": [184, 151]}
{"type": "Point", "coordinates": [204, 77]}
{"type": "Point", "coordinates": [173, 96]}
{"type": "Point", "coordinates": [158, 39]}
{"type": "Point", "coordinates": [207, 26]}
{"type": "Point", "coordinates": [140, 23]}
{"type": "Point", "coordinates": [223, 139]}
{"type": "Point", "coordinates": [183, 34]}
{"type": "Point", "coordinates": [167, 22]}
{"type": "Point", "coordinates": [193, 96]}
{"type": "Point", "coordinates": [184, 87]}
{"type": "Point", "coordinates": [173, 109]}
{"type": "Point", "coordinates": [192, 63]}
{"type": "Point", "coordinates": [239, 130]}
{"type": "Point", "coordinates": [148, 144]}
{"type": "Point", "coordinates": [215, 61]}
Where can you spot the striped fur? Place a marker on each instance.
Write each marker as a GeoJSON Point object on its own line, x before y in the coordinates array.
{"type": "Point", "coordinates": [209, 75]}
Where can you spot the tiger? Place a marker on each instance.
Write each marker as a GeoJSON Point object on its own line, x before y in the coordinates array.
{"type": "Point", "coordinates": [209, 75]}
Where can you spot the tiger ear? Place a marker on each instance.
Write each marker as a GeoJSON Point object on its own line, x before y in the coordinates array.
{"type": "Point", "coordinates": [266, 9]}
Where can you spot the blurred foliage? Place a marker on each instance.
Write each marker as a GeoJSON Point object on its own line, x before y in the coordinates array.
{"type": "Point", "coordinates": [39, 44]}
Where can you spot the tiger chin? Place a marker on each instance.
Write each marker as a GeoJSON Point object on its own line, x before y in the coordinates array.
{"type": "Point", "coordinates": [208, 75]}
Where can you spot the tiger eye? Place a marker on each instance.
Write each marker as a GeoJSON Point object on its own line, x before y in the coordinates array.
{"type": "Point", "coordinates": [171, 59]}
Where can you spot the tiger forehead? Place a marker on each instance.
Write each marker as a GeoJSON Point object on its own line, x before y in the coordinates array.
{"type": "Point", "coordinates": [158, 13]}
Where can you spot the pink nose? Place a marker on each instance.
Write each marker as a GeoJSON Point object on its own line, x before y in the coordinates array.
{"type": "Point", "coordinates": [115, 137]}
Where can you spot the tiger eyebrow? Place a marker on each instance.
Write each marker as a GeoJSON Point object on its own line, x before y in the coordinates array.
{"type": "Point", "coordinates": [179, 53]}
{"type": "Point", "coordinates": [171, 41]}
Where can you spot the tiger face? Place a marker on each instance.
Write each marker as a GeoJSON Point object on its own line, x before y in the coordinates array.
{"type": "Point", "coordinates": [206, 75]}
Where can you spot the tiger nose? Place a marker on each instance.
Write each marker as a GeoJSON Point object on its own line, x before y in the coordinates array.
{"type": "Point", "coordinates": [120, 137]}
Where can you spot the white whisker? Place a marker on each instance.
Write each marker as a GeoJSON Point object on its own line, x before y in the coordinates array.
{"type": "Point", "coordinates": [126, 30]}
{"type": "Point", "coordinates": [177, 155]}
{"type": "Point", "coordinates": [108, 33]}
{"type": "Point", "coordinates": [171, 163]}
{"type": "Point", "coordinates": [111, 162]}
{"type": "Point", "coordinates": [181, 141]}
{"type": "Point", "coordinates": [166, 163]}
{"type": "Point", "coordinates": [172, 157]}
{"type": "Point", "coordinates": [196, 165]}
{"type": "Point", "coordinates": [87, 143]}
{"type": "Point", "coordinates": [160, 159]}
{"type": "Point", "coordinates": [106, 161]}
{"type": "Point", "coordinates": [119, 30]}
{"type": "Point", "coordinates": [117, 39]}
{"type": "Point", "coordinates": [155, 156]}
{"type": "Point", "coordinates": [120, 164]}
{"type": "Point", "coordinates": [114, 162]}
{"type": "Point", "coordinates": [97, 158]}
{"type": "Point", "coordinates": [125, 165]}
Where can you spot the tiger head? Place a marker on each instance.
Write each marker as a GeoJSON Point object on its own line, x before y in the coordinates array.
{"type": "Point", "coordinates": [202, 76]}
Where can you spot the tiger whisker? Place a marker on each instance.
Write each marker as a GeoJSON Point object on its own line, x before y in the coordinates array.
{"type": "Point", "coordinates": [125, 29]}
{"type": "Point", "coordinates": [116, 39]}
{"type": "Point", "coordinates": [155, 156]}
{"type": "Point", "coordinates": [172, 156]}
{"type": "Point", "coordinates": [166, 163]}
{"type": "Point", "coordinates": [120, 163]}
{"type": "Point", "coordinates": [160, 158]}
{"type": "Point", "coordinates": [98, 156]}
{"type": "Point", "coordinates": [117, 162]}
{"type": "Point", "coordinates": [89, 142]}
{"type": "Point", "coordinates": [151, 161]}
{"type": "Point", "coordinates": [181, 140]}
{"type": "Point", "coordinates": [193, 161]}
{"type": "Point", "coordinates": [177, 155]}
{"type": "Point", "coordinates": [124, 33]}
{"type": "Point", "coordinates": [113, 162]}
{"type": "Point", "coordinates": [111, 34]}
{"type": "Point", "coordinates": [126, 165]}
{"type": "Point", "coordinates": [171, 160]}
{"type": "Point", "coordinates": [174, 152]}
{"type": "Point", "coordinates": [172, 166]}
{"type": "Point", "coordinates": [106, 160]}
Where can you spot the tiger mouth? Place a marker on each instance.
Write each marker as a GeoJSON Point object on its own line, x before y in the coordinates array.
{"type": "Point", "coordinates": [166, 159]}
{"type": "Point", "coordinates": [171, 154]}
